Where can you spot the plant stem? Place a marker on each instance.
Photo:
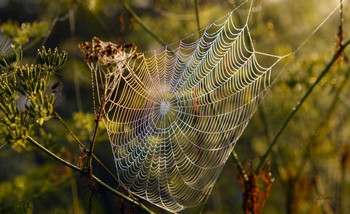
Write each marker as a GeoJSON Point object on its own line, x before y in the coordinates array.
{"type": "Point", "coordinates": [300, 103]}
{"type": "Point", "coordinates": [143, 25]}
{"type": "Point", "coordinates": [53, 24]}
{"type": "Point", "coordinates": [68, 130]}
{"type": "Point", "coordinates": [323, 127]}
{"type": "Point", "coordinates": [239, 166]}
{"type": "Point", "coordinates": [48, 152]}
{"type": "Point", "coordinates": [97, 123]}
{"type": "Point", "coordinates": [74, 167]}
{"type": "Point", "coordinates": [196, 6]}
{"type": "Point", "coordinates": [92, 154]}
{"type": "Point", "coordinates": [84, 147]}
{"type": "Point", "coordinates": [268, 134]}
{"type": "Point", "coordinates": [140, 205]}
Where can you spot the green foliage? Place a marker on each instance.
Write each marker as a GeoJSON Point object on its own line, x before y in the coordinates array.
{"type": "Point", "coordinates": [51, 60]}
{"type": "Point", "coordinates": [24, 32]}
{"type": "Point", "coordinates": [24, 208]}
{"type": "Point", "coordinates": [17, 194]}
{"type": "Point", "coordinates": [25, 96]}
{"type": "Point", "coordinates": [8, 56]}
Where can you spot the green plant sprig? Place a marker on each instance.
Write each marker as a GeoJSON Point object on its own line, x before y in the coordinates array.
{"type": "Point", "coordinates": [25, 97]}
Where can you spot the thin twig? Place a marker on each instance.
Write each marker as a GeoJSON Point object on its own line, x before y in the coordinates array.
{"type": "Point", "coordinates": [48, 152]}
{"type": "Point", "coordinates": [323, 124]}
{"type": "Point", "coordinates": [143, 25]}
{"type": "Point", "coordinates": [92, 154]}
{"type": "Point", "coordinates": [239, 166]}
{"type": "Point", "coordinates": [68, 130]}
{"type": "Point", "coordinates": [94, 136]}
{"type": "Point", "coordinates": [300, 103]}
{"type": "Point", "coordinates": [53, 24]}
{"type": "Point", "coordinates": [341, 21]}
{"type": "Point", "coordinates": [76, 168]}
{"type": "Point", "coordinates": [268, 135]}
{"type": "Point", "coordinates": [84, 147]}
{"type": "Point", "coordinates": [196, 6]}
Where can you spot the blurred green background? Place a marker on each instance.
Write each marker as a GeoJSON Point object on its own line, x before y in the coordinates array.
{"type": "Point", "coordinates": [311, 162]}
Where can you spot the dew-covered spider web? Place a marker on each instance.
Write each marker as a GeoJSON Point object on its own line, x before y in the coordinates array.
{"type": "Point", "coordinates": [174, 115]}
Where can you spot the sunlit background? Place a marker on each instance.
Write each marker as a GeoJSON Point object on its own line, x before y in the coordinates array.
{"type": "Point", "coordinates": [311, 162]}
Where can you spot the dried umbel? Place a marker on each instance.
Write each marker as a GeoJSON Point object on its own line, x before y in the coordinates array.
{"type": "Point", "coordinates": [107, 53]}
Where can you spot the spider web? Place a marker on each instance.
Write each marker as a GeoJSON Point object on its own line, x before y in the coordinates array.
{"type": "Point", "coordinates": [174, 115]}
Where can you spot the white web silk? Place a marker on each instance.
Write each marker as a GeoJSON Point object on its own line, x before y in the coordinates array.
{"type": "Point", "coordinates": [174, 116]}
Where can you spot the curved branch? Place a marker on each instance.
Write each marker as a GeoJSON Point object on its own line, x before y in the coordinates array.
{"type": "Point", "coordinates": [83, 146]}
{"type": "Point", "coordinates": [143, 25]}
{"type": "Point", "coordinates": [74, 167]}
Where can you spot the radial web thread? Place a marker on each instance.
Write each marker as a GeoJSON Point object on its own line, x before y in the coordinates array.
{"type": "Point", "coordinates": [173, 116]}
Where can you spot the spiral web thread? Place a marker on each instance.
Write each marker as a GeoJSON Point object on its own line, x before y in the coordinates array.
{"type": "Point", "coordinates": [173, 116]}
